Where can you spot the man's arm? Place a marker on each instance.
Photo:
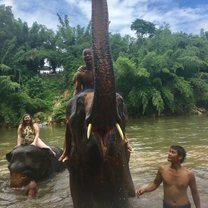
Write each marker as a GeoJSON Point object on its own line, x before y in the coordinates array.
{"type": "Point", "coordinates": [77, 81]}
{"type": "Point", "coordinates": [77, 87]}
{"type": "Point", "coordinates": [152, 185]}
{"type": "Point", "coordinates": [194, 190]}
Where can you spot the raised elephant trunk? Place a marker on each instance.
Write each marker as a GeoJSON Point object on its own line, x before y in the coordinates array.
{"type": "Point", "coordinates": [103, 112]}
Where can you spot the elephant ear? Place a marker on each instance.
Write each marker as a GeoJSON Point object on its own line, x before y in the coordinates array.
{"type": "Point", "coordinates": [9, 156]}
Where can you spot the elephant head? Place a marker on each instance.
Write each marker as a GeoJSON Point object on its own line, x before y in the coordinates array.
{"type": "Point", "coordinates": [30, 162]}
{"type": "Point", "coordinates": [98, 158]}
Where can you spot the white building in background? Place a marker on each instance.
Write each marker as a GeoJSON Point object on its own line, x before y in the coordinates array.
{"type": "Point", "coordinates": [59, 69]}
{"type": "Point", "coordinates": [47, 68]}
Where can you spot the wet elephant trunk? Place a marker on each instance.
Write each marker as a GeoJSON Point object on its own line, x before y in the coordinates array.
{"type": "Point", "coordinates": [103, 112]}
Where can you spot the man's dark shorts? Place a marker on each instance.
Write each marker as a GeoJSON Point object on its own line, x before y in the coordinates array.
{"type": "Point", "coordinates": [183, 206]}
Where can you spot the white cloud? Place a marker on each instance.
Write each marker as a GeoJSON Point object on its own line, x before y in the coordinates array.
{"type": "Point", "coordinates": [188, 20]}
{"type": "Point", "coordinates": [122, 13]}
{"type": "Point", "coordinates": [7, 2]}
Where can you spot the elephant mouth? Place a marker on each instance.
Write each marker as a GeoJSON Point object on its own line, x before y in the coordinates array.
{"type": "Point", "coordinates": [101, 134]}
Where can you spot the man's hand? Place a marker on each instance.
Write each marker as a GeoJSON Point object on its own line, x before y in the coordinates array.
{"type": "Point", "coordinates": [139, 192]}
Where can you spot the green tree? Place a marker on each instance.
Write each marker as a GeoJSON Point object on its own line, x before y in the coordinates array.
{"type": "Point", "coordinates": [119, 45]}
{"type": "Point", "coordinates": [143, 28]}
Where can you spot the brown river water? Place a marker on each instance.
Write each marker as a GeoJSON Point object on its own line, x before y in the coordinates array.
{"type": "Point", "coordinates": [150, 138]}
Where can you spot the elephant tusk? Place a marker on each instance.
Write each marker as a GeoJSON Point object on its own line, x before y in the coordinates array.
{"type": "Point", "coordinates": [120, 131]}
{"type": "Point", "coordinates": [89, 128]}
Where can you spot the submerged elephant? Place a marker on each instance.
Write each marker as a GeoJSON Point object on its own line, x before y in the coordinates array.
{"type": "Point", "coordinates": [31, 162]}
{"type": "Point", "coordinates": [95, 131]}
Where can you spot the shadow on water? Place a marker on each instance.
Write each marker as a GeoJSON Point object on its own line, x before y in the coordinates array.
{"type": "Point", "coordinates": [150, 138]}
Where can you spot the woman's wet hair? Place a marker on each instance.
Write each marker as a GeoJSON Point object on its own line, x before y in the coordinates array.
{"type": "Point", "coordinates": [180, 150]}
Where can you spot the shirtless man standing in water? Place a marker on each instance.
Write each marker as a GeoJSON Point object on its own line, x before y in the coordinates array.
{"type": "Point", "coordinates": [176, 180]}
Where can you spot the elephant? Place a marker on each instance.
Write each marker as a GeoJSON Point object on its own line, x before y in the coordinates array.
{"type": "Point", "coordinates": [29, 162]}
{"type": "Point", "coordinates": [98, 160]}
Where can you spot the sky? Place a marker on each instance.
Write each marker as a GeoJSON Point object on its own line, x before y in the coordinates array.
{"type": "Point", "coordinates": [187, 16]}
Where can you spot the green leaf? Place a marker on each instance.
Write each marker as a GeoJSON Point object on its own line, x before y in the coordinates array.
{"type": "Point", "coordinates": [183, 87]}
{"type": "Point", "coordinates": [157, 101]}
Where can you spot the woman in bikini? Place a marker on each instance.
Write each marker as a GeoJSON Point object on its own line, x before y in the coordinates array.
{"type": "Point", "coordinates": [28, 134]}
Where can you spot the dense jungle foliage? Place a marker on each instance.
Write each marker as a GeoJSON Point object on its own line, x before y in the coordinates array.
{"type": "Point", "coordinates": [157, 73]}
